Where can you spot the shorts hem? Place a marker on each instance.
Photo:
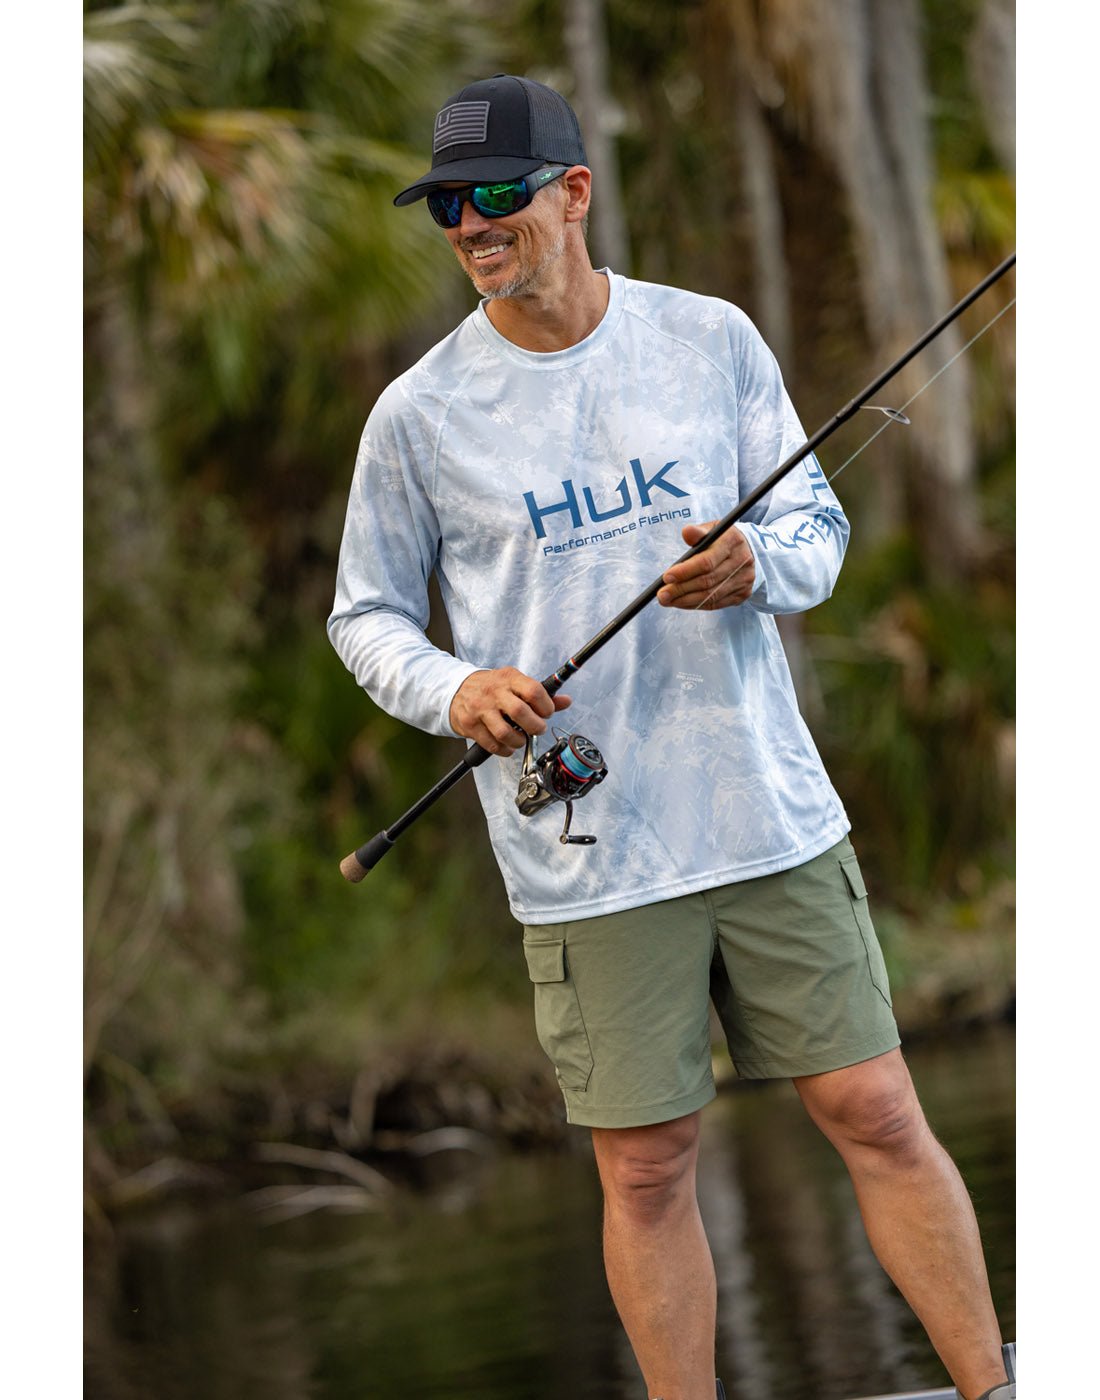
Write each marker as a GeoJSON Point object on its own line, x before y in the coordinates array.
{"type": "Point", "coordinates": [640, 1116]}
{"type": "Point", "coordinates": [797, 1066]}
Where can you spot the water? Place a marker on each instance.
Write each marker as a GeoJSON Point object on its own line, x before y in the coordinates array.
{"type": "Point", "coordinates": [487, 1283]}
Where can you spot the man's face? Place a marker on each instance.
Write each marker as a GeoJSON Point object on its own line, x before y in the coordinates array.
{"type": "Point", "coordinates": [512, 256]}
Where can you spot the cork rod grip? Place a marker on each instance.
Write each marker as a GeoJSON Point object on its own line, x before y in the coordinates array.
{"type": "Point", "coordinates": [356, 865]}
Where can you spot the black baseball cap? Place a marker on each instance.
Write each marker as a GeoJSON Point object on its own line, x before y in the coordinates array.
{"type": "Point", "coordinates": [499, 129]}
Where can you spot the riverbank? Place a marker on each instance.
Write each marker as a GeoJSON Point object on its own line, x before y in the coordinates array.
{"type": "Point", "coordinates": [327, 1111]}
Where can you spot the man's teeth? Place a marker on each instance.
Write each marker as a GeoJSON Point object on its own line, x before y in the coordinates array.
{"type": "Point", "coordinates": [488, 252]}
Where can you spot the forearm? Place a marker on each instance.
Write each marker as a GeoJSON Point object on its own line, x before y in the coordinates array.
{"type": "Point", "coordinates": [399, 668]}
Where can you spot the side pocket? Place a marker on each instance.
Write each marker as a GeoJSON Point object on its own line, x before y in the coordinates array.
{"type": "Point", "coordinates": [558, 1021]}
{"type": "Point", "coordinates": [858, 891]}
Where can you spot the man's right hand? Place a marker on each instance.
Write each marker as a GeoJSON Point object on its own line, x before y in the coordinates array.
{"type": "Point", "coordinates": [487, 700]}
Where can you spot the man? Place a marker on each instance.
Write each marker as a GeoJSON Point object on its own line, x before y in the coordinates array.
{"type": "Point", "coordinates": [541, 460]}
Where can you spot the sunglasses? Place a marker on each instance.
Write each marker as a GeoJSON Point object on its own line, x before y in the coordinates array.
{"type": "Point", "coordinates": [491, 201]}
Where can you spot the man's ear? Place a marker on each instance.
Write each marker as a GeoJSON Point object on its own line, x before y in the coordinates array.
{"type": "Point", "coordinates": [578, 186]}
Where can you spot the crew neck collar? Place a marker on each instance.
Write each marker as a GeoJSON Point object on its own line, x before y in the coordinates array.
{"type": "Point", "coordinates": [555, 359]}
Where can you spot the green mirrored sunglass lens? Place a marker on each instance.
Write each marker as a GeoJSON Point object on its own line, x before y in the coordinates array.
{"type": "Point", "coordinates": [500, 199]}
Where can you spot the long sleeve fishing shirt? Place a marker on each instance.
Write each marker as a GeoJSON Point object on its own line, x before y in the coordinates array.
{"type": "Point", "coordinates": [546, 490]}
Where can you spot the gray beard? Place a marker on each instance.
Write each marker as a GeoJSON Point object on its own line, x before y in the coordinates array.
{"type": "Point", "coordinates": [525, 283]}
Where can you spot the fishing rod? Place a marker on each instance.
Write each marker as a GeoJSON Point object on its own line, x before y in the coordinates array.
{"type": "Point", "coordinates": [573, 766]}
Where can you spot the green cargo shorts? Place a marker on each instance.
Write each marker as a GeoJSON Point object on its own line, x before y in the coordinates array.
{"type": "Point", "coordinates": [790, 962]}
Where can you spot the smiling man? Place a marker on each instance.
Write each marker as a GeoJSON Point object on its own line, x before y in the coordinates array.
{"type": "Point", "coordinates": [540, 461]}
{"type": "Point", "coordinates": [532, 268]}
{"type": "Point", "coordinates": [504, 264]}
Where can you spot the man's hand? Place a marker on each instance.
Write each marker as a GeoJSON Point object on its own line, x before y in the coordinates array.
{"type": "Point", "coordinates": [720, 577]}
{"type": "Point", "coordinates": [487, 700]}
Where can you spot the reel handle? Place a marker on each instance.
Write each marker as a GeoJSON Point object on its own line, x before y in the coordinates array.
{"type": "Point", "coordinates": [566, 839]}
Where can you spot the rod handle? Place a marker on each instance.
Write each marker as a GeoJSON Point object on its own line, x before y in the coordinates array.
{"type": "Point", "coordinates": [356, 865]}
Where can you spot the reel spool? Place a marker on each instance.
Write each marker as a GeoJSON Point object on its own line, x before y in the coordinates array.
{"type": "Point", "coordinates": [566, 772]}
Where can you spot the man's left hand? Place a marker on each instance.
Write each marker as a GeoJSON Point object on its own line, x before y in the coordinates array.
{"type": "Point", "coordinates": [720, 577]}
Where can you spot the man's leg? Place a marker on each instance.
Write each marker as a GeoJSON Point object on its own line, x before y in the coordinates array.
{"type": "Point", "coordinates": [915, 1208]}
{"type": "Point", "coordinates": [658, 1262]}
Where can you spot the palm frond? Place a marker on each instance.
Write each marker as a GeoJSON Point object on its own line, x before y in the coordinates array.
{"type": "Point", "coordinates": [138, 61]}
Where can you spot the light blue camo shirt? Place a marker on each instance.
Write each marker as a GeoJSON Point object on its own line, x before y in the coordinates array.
{"type": "Point", "coordinates": [546, 491]}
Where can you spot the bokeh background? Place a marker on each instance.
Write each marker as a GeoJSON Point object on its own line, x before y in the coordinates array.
{"type": "Point", "coordinates": [844, 172]}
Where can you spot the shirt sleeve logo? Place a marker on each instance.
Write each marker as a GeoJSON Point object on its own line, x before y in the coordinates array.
{"type": "Point", "coordinates": [461, 124]}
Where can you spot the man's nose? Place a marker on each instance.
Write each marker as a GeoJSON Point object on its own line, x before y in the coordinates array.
{"type": "Point", "coordinates": [471, 221]}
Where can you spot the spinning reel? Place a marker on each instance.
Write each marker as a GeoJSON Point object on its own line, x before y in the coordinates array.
{"type": "Point", "coordinates": [566, 772]}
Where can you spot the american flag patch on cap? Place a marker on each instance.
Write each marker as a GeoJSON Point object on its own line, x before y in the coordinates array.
{"type": "Point", "coordinates": [462, 123]}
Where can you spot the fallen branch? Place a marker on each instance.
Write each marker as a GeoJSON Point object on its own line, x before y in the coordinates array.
{"type": "Point", "coordinates": [338, 1163]}
{"type": "Point", "coordinates": [287, 1202]}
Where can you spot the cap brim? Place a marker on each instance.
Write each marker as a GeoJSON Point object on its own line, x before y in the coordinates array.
{"type": "Point", "coordinates": [476, 170]}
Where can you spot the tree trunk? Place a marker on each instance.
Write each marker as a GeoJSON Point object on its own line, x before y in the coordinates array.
{"type": "Point", "coordinates": [992, 57]}
{"type": "Point", "coordinates": [586, 45]}
{"type": "Point", "coordinates": [760, 190]}
{"type": "Point", "coordinates": [856, 68]}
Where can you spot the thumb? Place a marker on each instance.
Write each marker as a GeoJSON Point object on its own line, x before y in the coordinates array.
{"type": "Point", "coordinates": [692, 534]}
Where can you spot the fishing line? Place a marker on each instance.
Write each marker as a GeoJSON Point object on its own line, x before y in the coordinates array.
{"type": "Point", "coordinates": [901, 411]}
{"type": "Point", "coordinates": [892, 415]}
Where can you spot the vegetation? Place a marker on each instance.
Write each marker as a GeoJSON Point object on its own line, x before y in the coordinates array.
{"type": "Point", "coordinates": [249, 290]}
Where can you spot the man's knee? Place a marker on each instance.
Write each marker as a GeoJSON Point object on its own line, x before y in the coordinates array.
{"type": "Point", "coordinates": [646, 1171]}
{"type": "Point", "coordinates": [871, 1107]}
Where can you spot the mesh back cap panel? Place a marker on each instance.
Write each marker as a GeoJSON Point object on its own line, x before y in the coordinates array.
{"type": "Point", "coordinates": [555, 130]}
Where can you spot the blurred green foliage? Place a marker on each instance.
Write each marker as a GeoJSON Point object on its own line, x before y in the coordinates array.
{"type": "Point", "coordinates": [248, 291]}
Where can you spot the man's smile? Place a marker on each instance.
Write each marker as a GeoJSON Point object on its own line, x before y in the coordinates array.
{"type": "Point", "coordinates": [480, 253]}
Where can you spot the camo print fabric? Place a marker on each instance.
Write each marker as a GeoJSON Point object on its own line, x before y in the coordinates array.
{"type": "Point", "coordinates": [546, 491]}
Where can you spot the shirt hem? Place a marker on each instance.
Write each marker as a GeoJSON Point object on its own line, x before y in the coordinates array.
{"type": "Point", "coordinates": [674, 889]}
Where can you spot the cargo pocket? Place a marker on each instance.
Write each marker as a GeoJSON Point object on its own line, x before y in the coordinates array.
{"type": "Point", "coordinates": [858, 891]}
{"type": "Point", "coordinates": [558, 1020]}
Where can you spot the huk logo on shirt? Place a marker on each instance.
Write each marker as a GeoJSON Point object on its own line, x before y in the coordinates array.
{"type": "Point", "coordinates": [583, 508]}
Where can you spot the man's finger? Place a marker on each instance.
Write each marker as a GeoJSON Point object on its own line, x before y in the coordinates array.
{"type": "Point", "coordinates": [531, 692]}
{"type": "Point", "coordinates": [710, 588]}
{"type": "Point", "coordinates": [506, 734]}
{"type": "Point", "coordinates": [706, 581]}
{"type": "Point", "coordinates": [689, 601]}
{"type": "Point", "coordinates": [722, 558]}
{"type": "Point", "coordinates": [480, 734]}
{"type": "Point", "coordinates": [526, 718]}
